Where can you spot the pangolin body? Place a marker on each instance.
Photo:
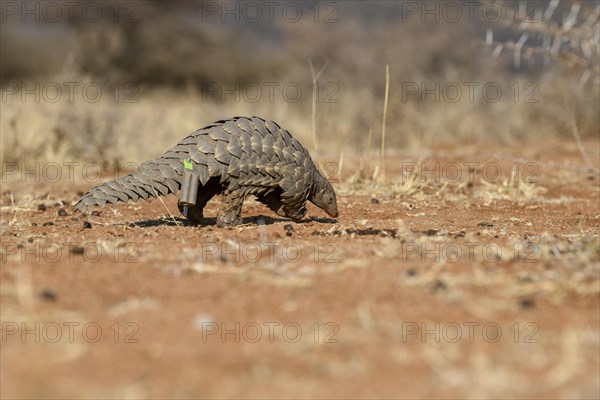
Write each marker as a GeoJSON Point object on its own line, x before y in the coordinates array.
{"type": "Point", "coordinates": [237, 158]}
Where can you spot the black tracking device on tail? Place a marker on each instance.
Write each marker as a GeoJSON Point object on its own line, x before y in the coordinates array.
{"type": "Point", "coordinates": [189, 185]}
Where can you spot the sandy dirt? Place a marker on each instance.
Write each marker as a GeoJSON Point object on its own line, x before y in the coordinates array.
{"type": "Point", "coordinates": [423, 287]}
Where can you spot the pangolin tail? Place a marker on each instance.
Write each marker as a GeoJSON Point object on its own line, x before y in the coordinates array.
{"type": "Point", "coordinates": [152, 179]}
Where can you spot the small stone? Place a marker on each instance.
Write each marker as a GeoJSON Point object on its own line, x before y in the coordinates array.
{"type": "Point", "coordinates": [411, 272]}
{"type": "Point", "coordinates": [288, 227]}
{"type": "Point", "coordinates": [41, 207]}
{"type": "Point", "coordinates": [77, 250]}
{"type": "Point", "coordinates": [288, 233]}
{"type": "Point", "coordinates": [527, 303]}
{"type": "Point", "coordinates": [62, 212]}
{"type": "Point", "coordinates": [95, 213]}
{"type": "Point", "coordinates": [87, 225]}
{"type": "Point", "coordinates": [374, 201]}
{"type": "Point", "coordinates": [439, 285]}
{"type": "Point", "coordinates": [485, 224]}
{"type": "Point", "coordinates": [49, 223]}
{"type": "Point", "coordinates": [48, 295]}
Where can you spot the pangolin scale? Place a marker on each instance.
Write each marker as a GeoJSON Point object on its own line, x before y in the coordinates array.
{"type": "Point", "coordinates": [237, 157]}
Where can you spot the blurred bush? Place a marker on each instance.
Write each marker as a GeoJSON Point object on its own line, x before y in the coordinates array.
{"type": "Point", "coordinates": [171, 50]}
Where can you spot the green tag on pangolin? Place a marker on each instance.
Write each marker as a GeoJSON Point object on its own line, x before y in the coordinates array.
{"type": "Point", "coordinates": [187, 164]}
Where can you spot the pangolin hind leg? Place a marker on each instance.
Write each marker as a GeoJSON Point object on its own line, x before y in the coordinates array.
{"type": "Point", "coordinates": [229, 213]}
{"type": "Point", "coordinates": [196, 213]}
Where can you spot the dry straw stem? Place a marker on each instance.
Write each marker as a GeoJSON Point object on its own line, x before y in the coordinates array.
{"type": "Point", "coordinates": [166, 208]}
{"type": "Point", "coordinates": [315, 79]}
{"type": "Point", "coordinates": [586, 159]}
{"type": "Point", "coordinates": [385, 105]}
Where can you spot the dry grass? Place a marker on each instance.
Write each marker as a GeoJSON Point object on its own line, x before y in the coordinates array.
{"type": "Point", "coordinates": [348, 109]}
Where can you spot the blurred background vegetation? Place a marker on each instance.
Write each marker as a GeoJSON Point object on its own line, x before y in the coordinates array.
{"type": "Point", "coordinates": [168, 68]}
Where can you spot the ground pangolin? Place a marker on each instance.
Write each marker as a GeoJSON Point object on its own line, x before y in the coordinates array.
{"type": "Point", "coordinates": [237, 157]}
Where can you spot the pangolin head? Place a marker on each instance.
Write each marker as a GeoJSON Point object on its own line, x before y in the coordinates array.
{"type": "Point", "coordinates": [323, 196]}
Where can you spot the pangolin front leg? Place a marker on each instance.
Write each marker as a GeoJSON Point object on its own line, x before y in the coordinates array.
{"type": "Point", "coordinates": [293, 211]}
{"type": "Point", "coordinates": [284, 208]}
{"type": "Point", "coordinates": [292, 204]}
